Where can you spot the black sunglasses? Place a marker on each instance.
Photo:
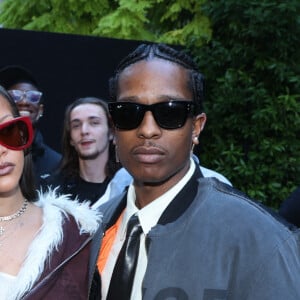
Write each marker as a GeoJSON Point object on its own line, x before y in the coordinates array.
{"type": "Point", "coordinates": [168, 115]}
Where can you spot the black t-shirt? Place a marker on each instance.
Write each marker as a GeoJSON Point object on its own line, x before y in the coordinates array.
{"type": "Point", "coordinates": [77, 187]}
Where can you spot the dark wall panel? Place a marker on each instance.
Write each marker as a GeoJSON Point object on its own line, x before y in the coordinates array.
{"type": "Point", "coordinates": [66, 66]}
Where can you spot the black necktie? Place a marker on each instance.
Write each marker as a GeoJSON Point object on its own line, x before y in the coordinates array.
{"type": "Point", "coordinates": [124, 270]}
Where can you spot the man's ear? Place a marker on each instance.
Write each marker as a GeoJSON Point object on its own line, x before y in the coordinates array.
{"type": "Point", "coordinates": [199, 124]}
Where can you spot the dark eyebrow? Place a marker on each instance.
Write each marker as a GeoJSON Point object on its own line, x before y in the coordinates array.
{"type": "Point", "coordinates": [129, 99]}
{"type": "Point", "coordinates": [94, 117]}
{"type": "Point", "coordinates": [75, 121]}
{"type": "Point", "coordinates": [89, 118]}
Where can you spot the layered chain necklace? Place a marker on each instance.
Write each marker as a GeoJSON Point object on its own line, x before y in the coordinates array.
{"type": "Point", "coordinates": [13, 216]}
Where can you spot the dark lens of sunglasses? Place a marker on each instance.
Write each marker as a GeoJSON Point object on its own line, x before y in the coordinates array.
{"type": "Point", "coordinates": [126, 116]}
{"type": "Point", "coordinates": [171, 115]}
{"type": "Point", "coordinates": [15, 134]}
{"type": "Point", "coordinates": [168, 115]}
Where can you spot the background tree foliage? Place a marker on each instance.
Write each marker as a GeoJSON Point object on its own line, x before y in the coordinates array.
{"type": "Point", "coordinates": [253, 101]}
{"type": "Point", "coordinates": [249, 53]}
{"type": "Point", "coordinates": [151, 20]}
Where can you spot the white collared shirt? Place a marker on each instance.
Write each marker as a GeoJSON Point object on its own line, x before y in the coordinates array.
{"type": "Point", "coordinates": [148, 216]}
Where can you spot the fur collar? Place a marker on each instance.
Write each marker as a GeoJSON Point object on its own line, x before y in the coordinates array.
{"type": "Point", "coordinates": [87, 219]}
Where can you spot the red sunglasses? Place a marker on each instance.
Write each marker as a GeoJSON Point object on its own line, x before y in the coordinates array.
{"type": "Point", "coordinates": [16, 134]}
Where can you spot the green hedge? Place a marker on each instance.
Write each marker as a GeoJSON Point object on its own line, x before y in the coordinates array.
{"type": "Point", "coordinates": [252, 96]}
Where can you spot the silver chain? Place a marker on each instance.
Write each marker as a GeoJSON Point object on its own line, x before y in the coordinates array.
{"type": "Point", "coordinates": [16, 214]}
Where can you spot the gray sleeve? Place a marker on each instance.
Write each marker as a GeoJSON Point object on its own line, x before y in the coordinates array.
{"type": "Point", "coordinates": [279, 276]}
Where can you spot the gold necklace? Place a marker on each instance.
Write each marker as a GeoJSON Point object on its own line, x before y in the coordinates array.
{"type": "Point", "coordinates": [13, 216]}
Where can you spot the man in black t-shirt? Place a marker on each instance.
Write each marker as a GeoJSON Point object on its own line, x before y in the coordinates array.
{"type": "Point", "coordinates": [88, 162]}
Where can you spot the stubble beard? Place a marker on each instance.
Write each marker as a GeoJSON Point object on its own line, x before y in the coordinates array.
{"type": "Point", "coordinates": [91, 156]}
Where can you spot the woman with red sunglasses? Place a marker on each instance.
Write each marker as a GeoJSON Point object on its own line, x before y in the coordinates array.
{"type": "Point", "coordinates": [44, 239]}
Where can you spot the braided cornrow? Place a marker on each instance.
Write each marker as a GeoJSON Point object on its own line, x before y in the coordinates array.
{"type": "Point", "coordinates": [150, 51]}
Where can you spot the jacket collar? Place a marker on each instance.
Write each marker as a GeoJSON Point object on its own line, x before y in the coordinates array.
{"type": "Point", "coordinates": [182, 200]}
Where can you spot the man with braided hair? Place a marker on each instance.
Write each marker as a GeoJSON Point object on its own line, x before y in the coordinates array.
{"type": "Point", "coordinates": [191, 237]}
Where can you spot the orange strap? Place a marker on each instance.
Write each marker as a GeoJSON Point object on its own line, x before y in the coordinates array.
{"type": "Point", "coordinates": [107, 243]}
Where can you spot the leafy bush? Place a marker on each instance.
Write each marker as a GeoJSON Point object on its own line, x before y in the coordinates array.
{"type": "Point", "coordinates": [252, 96]}
{"type": "Point", "coordinates": [172, 21]}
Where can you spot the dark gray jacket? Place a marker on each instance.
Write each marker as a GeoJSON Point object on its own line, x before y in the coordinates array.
{"type": "Point", "coordinates": [212, 242]}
